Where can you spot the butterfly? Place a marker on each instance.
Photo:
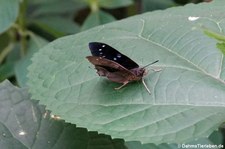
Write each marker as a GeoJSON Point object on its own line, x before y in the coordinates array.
{"type": "Point", "coordinates": [116, 66]}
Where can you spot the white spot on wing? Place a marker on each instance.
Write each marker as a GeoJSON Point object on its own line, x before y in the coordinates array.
{"type": "Point", "coordinates": [114, 58]}
{"type": "Point", "coordinates": [99, 49]}
{"type": "Point", "coordinates": [118, 55]}
{"type": "Point", "coordinates": [191, 18]}
{"type": "Point", "coordinates": [103, 45]}
{"type": "Point", "coordinates": [100, 53]}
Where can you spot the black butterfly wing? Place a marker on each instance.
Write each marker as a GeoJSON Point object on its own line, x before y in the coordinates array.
{"type": "Point", "coordinates": [103, 50]}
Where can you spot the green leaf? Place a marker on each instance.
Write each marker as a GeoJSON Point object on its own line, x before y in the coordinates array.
{"type": "Point", "coordinates": [53, 18]}
{"type": "Point", "coordinates": [97, 18]}
{"type": "Point", "coordinates": [58, 24]}
{"type": "Point", "coordinates": [8, 13]}
{"type": "Point", "coordinates": [56, 7]}
{"type": "Point", "coordinates": [188, 96]}
{"type": "Point", "coordinates": [24, 124]}
{"type": "Point", "coordinates": [217, 36]}
{"type": "Point", "coordinates": [6, 70]}
{"type": "Point", "coordinates": [14, 55]}
{"type": "Point", "coordinates": [47, 29]}
{"type": "Point", "coordinates": [114, 3]}
{"type": "Point", "coordinates": [4, 38]}
{"type": "Point", "coordinates": [221, 46]}
{"type": "Point", "coordinates": [217, 137]}
{"type": "Point", "coordinates": [150, 5]}
{"type": "Point", "coordinates": [34, 45]}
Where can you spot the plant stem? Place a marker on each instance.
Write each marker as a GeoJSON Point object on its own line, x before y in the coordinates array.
{"type": "Point", "coordinates": [12, 39]}
{"type": "Point", "coordinates": [94, 5]}
{"type": "Point", "coordinates": [22, 26]}
{"type": "Point", "coordinates": [5, 51]}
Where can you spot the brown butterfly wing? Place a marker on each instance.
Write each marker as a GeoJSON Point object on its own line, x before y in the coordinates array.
{"type": "Point", "coordinates": [112, 70]}
{"type": "Point", "coordinates": [116, 76]}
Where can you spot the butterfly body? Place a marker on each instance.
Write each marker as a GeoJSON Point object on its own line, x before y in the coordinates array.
{"type": "Point", "coordinates": [114, 65]}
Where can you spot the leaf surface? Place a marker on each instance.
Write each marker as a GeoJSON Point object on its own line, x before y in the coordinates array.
{"type": "Point", "coordinates": [21, 65]}
{"type": "Point", "coordinates": [114, 3]}
{"type": "Point", "coordinates": [150, 5]}
{"type": "Point", "coordinates": [187, 99]}
{"type": "Point", "coordinates": [97, 18]}
{"type": "Point", "coordinates": [8, 13]}
{"type": "Point", "coordinates": [24, 124]}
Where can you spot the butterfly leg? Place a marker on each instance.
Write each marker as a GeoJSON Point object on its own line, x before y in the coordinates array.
{"type": "Point", "coordinates": [124, 83]}
{"type": "Point", "coordinates": [146, 87]}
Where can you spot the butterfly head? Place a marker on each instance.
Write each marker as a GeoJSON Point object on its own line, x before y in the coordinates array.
{"type": "Point", "coordinates": [140, 72]}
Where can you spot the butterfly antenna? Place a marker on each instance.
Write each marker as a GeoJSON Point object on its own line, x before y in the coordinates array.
{"type": "Point", "coordinates": [151, 64]}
